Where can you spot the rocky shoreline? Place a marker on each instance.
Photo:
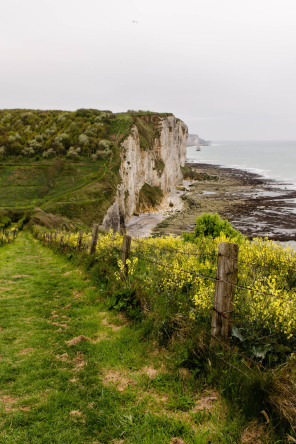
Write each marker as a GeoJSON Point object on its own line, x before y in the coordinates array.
{"type": "Point", "coordinates": [254, 205]}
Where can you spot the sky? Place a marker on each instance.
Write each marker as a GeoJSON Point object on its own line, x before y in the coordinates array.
{"type": "Point", "coordinates": [227, 68]}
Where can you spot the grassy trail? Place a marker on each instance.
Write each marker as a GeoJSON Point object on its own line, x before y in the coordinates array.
{"type": "Point", "coordinates": [70, 372]}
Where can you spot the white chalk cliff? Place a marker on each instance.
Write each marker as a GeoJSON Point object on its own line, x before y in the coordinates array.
{"type": "Point", "coordinates": [159, 166]}
{"type": "Point", "coordinates": [193, 140]}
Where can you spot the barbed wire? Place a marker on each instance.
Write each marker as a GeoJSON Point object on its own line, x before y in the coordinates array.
{"type": "Point", "coordinates": [230, 364]}
{"type": "Point", "coordinates": [175, 268]}
{"type": "Point", "coordinates": [213, 255]}
{"type": "Point", "coordinates": [261, 266]}
{"type": "Point", "coordinates": [200, 275]}
{"type": "Point", "coordinates": [241, 287]}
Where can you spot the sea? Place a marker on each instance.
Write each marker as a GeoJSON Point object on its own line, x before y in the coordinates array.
{"type": "Point", "coordinates": [272, 160]}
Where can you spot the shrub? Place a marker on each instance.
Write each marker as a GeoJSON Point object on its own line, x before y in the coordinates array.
{"type": "Point", "coordinates": [105, 144]}
{"type": "Point", "coordinates": [212, 225]}
{"type": "Point", "coordinates": [22, 221]}
{"type": "Point", "coordinates": [64, 139]}
{"type": "Point", "coordinates": [83, 140]}
{"type": "Point", "coordinates": [49, 153]}
{"type": "Point", "coordinates": [5, 221]}
{"type": "Point", "coordinates": [101, 154]}
{"type": "Point", "coordinates": [28, 151]}
{"type": "Point", "coordinates": [73, 152]}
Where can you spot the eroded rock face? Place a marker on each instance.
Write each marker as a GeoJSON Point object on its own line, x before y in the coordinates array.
{"type": "Point", "coordinates": [193, 140]}
{"type": "Point", "coordinates": [157, 166]}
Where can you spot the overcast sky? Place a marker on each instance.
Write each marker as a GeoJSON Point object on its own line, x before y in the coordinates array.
{"type": "Point", "coordinates": [225, 67]}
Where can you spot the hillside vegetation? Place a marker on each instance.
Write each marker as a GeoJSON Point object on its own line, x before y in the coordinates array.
{"type": "Point", "coordinates": [66, 162]}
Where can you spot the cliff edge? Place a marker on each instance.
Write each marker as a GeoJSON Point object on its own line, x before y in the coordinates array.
{"type": "Point", "coordinates": [153, 167]}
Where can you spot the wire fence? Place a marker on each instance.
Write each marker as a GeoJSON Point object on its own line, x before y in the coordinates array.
{"type": "Point", "coordinates": [164, 265]}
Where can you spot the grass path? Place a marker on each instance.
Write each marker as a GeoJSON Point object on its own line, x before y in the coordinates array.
{"type": "Point", "coordinates": [70, 372]}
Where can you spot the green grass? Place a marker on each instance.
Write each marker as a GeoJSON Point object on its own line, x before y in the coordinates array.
{"type": "Point", "coordinates": [80, 191]}
{"type": "Point", "coordinates": [98, 390]}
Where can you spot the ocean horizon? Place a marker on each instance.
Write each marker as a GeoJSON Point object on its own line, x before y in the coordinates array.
{"type": "Point", "coordinates": [275, 160]}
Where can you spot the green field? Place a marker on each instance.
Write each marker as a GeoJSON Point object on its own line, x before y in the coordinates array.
{"type": "Point", "coordinates": [81, 190]}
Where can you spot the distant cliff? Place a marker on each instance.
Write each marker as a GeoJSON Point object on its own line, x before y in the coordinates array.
{"type": "Point", "coordinates": [148, 169]}
{"type": "Point", "coordinates": [195, 140]}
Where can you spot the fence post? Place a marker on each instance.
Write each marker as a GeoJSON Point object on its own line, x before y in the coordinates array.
{"type": "Point", "coordinates": [227, 270]}
{"type": "Point", "coordinates": [94, 239]}
{"type": "Point", "coordinates": [126, 248]}
{"type": "Point", "coordinates": [79, 240]}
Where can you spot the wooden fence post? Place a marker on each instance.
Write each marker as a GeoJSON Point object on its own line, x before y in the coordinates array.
{"type": "Point", "coordinates": [126, 248]}
{"type": "Point", "coordinates": [94, 239]}
{"type": "Point", "coordinates": [227, 270]}
{"type": "Point", "coordinates": [79, 240]}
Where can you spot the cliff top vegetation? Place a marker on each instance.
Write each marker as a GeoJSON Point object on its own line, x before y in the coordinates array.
{"type": "Point", "coordinates": [82, 133]}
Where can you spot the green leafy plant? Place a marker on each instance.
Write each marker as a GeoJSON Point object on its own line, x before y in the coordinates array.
{"type": "Point", "coordinates": [212, 225]}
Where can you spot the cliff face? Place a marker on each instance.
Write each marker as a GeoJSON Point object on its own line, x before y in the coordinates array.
{"type": "Point", "coordinates": [193, 140]}
{"type": "Point", "coordinates": [157, 165]}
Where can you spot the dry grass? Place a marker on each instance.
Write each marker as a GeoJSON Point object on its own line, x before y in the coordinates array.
{"type": "Point", "coordinates": [282, 394]}
{"type": "Point", "coordinates": [76, 340]}
{"type": "Point", "coordinates": [114, 327]}
{"type": "Point", "coordinates": [253, 433]}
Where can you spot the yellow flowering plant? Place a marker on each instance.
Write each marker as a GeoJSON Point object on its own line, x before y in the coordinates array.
{"type": "Point", "coordinates": [176, 278]}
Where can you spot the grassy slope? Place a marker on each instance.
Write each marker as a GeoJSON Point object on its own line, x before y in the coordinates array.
{"type": "Point", "coordinates": [112, 387]}
{"type": "Point", "coordinates": [80, 191]}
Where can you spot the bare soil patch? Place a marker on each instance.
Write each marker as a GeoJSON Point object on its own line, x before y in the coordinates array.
{"type": "Point", "coordinates": [206, 402]}
{"type": "Point", "coordinates": [79, 361]}
{"type": "Point", "coordinates": [122, 381]}
{"type": "Point", "coordinates": [76, 340]}
{"type": "Point", "coordinates": [25, 351]}
{"type": "Point", "coordinates": [19, 276]}
{"type": "Point", "coordinates": [76, 415]}
{"type": "Point", "coordinates": [78, 294]}
{"type": "Point", "coordinates": [64, 357]}
{"type": "Point", "coordinates": [100, 338]}
{"type": "Point", "coordinates": [109, 324]}
{"type": "Point", "coordinates": [149, 371]}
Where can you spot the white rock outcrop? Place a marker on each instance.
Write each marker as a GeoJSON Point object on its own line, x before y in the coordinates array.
{"type": "Point", "coordinates": [160, 166]}
{"type": "Point", "coordinates": [193, 140]}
